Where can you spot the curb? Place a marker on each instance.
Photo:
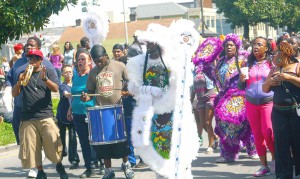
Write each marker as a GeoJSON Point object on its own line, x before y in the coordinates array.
{"type": "Point", "coordinates": [8, 147]}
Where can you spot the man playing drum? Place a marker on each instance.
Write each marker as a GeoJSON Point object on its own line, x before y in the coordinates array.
{"type": "Point", "coordinates": [105, 80]}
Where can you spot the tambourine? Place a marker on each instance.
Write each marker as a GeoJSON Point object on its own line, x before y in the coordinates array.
{"type": "Point", "coordinates": [208, 51]}
{"type": "Point", "coordinates": [28, 72]}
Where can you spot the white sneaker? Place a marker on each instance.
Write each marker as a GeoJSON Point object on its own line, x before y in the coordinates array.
{"type": "Point", "coordinates": [32, 173]}
{"type": "Point", "coordinates": [209, 150]}
{"type": "Point", "coordinates": [255, 156]}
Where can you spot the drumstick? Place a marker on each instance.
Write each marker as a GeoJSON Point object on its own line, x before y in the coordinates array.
{"type": "Point", "coordinates": [87, 94]}
{"type": "Point", "coordinates": [91, 94]}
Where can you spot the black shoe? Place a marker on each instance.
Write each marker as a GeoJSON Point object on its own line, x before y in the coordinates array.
{"type": "Point", "coordinates": [88, 173]}
{"type": "Point", "coordinates": [74, 165]}
{"type": "Point", "coordinates": [64, 154]}
{"type": "Point", "coordinates": [41, 175]}
{"type": "Point", "coordinates": [141, 164]}
{"type": "Point", "coordinates": [96, 164]}
{"type": "Point", "coordinates": [60, 169]}
{"type": "Point", "coordinates": [109, 174]}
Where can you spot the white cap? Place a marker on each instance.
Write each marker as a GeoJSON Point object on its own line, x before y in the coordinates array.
{"type": "Point", "coordinates": [270, 38]}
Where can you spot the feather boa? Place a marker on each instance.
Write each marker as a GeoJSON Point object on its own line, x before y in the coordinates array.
{"type": "Point", "coordinates": [184, 143]}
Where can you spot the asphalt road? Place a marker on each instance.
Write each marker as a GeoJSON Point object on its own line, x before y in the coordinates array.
{"type": "Point", "coordinates": [203, 167]}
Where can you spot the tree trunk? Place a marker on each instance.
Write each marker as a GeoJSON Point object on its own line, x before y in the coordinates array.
{"type": "Point", "coordinates": [267, 29]}
{"type": "Point", "coordinates": [246, 30]}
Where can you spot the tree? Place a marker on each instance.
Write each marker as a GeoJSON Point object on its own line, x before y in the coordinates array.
{"type": "Point", "coordinates": [233, 14]}
{"type": "Point", "coordinates": [250, 12]}
{"type": "Point", "coordinates": [273, 12]}
{"type": "Point", "coordinates": [292, 18]}
{"type": "Point", "coordinates": [20, 17]}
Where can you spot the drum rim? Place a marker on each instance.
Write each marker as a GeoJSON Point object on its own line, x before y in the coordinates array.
{"type": "Point", "coordinates": [108, 142]}
{"type": "Point", "coordinates": [104, 106]}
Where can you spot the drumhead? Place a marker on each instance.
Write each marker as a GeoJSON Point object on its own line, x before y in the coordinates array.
{"type": "Point", "coordinates": [104, 107]}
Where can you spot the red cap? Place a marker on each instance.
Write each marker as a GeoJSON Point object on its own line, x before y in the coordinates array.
{"type": "Point", "coordinates": [35, 52]}
{"type": "Point", "coordinates": [18, 46]}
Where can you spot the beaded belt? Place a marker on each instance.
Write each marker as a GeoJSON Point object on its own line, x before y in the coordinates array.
{"type": "Point", "coordinates": [284, 107]}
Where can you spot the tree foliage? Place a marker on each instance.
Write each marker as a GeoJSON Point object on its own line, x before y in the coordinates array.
{"type": "Point", "coordinates": [18, 17]}
{"type": "Point", "coordinates": [274, 12]}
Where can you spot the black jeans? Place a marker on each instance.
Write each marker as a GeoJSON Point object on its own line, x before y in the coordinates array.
{"type": "Point", "coordinates": [16, 122]}
{"type": "Point", "coordinates": [72, 153]}
{"type": "Point", "coordinates": [286, 126]}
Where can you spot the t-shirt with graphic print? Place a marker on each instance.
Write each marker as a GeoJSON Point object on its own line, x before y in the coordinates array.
{"type": "Point", "coordinates": [107, 82]}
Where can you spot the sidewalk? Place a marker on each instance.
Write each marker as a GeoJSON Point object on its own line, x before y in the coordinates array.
{"type": "Point", "coordinates": [8, 147]}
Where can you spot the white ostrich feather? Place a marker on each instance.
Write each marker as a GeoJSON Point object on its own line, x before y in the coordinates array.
{"type": "Point", "coordinates": [95, 27]}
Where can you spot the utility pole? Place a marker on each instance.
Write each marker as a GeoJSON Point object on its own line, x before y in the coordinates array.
{"type": "Point", "coordinates": [254, 27]}
{"type": "Point", "coordinates": [125, 23]}
{"type": "Point", "coordinates": [202, 17]}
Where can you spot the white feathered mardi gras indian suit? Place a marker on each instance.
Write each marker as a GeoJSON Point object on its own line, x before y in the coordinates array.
{"type": "Point", "coordinates": [163, 128]}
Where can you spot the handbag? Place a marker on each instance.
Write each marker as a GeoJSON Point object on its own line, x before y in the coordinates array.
{"type": "Point", "coordinates": [296, 103]}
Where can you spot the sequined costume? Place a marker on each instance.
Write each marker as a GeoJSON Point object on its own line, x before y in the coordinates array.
{"type": "Point", "coordinates": [231, 124]}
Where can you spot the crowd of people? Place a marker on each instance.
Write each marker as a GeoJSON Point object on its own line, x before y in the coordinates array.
{"type": "Point", "coordinates": [251, 90]}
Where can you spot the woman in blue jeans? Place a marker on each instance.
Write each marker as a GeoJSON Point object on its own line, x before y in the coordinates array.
{"type": "Point", "coordinates": [77, 110]}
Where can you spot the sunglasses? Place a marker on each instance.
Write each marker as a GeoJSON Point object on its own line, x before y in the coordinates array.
{"type": "Point", "coordinates": [34, 57]}
{"type": "Point", "coordinates": [98, 59]}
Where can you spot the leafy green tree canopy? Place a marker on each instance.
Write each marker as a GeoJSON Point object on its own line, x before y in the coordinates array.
{"type": "Point", "coordinates": [24, 16]}
{"type": "Point", "coordinates": [250, 12]}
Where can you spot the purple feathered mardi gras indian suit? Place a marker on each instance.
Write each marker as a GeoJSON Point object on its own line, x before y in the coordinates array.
{"type": "Point", "coordinates": [232, 125]}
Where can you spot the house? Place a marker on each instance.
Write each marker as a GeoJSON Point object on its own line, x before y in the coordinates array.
{"type": "Point", "coordinates": [161, 11]}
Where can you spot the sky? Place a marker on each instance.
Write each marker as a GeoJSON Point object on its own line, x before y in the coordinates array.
{"type": "Point", "coordinates": [68, 17]}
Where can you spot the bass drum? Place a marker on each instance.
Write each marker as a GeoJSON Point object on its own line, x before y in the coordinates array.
{"type": "Point", "coordinates": [106, 124]}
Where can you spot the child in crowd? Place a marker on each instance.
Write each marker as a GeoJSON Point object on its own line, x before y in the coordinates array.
{"type": "Point", "coordinates": [61, 116]}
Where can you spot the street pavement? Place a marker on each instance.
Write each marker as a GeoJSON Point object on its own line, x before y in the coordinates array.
{"type": "Point", "coordinates": [203, 167]}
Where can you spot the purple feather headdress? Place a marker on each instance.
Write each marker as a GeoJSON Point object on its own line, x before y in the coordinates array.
{"type": "Point", "coordinates": [235, 39]}
{"type": "Point", "coordinates": [208, 51]}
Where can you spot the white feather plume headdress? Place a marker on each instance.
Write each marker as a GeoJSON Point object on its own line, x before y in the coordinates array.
{"type": "Point", "coordinates": [184, 33]}
{"type": "Point", "coordinates": [95, 27]}
{"type": "Point", "coordinates": [158, 34]}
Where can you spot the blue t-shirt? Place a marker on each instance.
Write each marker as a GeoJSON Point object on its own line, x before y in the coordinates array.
{"type": "Point", "coordinates": [79, 86]}
{"type": "Point", "coordinates": [64, 104]}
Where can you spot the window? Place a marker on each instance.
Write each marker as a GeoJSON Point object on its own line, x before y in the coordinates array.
{"type": "Point", "coordinates": [213, 23]}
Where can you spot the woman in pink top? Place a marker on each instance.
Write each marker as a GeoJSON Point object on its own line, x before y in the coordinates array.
{"type": "Point", "coordinates": [57, 59]}
{"type": "Point", "coordinates": [258, 103]}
